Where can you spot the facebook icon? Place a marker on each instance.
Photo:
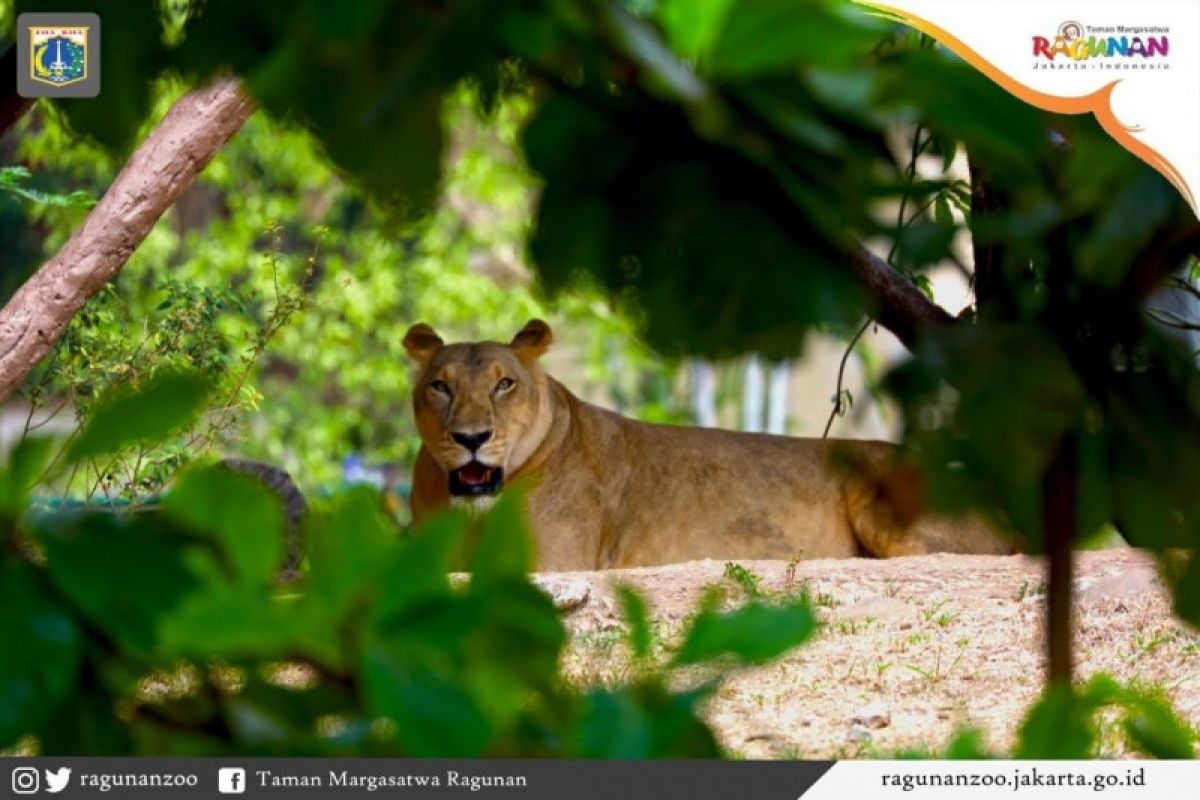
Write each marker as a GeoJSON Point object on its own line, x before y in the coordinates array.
{"type": "Point", "coordinates": [231, 780]}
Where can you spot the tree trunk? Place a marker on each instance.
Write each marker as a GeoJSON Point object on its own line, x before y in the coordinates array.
{"type": "Point", "coordinates": [1058, 505]}
{"type": "Point", "coordinates": [160, 169]}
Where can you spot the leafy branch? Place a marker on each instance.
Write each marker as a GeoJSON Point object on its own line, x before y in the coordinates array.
{"type": "Point", "coordinates": [14, 180]}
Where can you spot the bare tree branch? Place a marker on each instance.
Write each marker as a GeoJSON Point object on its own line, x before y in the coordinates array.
{"type": "Point", "coordinates": [159, 170]}
{"type": "Point", "coordinates": [899, 305]}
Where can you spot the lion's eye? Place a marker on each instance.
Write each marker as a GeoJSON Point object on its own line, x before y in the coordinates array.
{"type": "Point", "coordinates": [440, 386]}
{"type": "Point", "coordinates": [505, 384]}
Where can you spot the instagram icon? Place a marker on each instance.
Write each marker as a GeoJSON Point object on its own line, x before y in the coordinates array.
{"type": "Point", "coordinates": [26, 780]}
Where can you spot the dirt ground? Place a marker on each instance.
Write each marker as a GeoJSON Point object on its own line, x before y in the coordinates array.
{"type": "Point", "coordinates": [910, 650]}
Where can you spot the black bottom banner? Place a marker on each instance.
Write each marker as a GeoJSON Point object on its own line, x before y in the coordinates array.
{"type": "Point", "coordinates": [111, 778]}
{"type": "Point", "coordinates": [117, 778]}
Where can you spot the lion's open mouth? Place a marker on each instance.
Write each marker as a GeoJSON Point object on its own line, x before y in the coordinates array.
{"type": "Point", "coordinates": [474, 479]}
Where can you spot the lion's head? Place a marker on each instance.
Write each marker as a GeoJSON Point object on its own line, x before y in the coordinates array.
{"type": "Point", "coordinates": [482, 408]}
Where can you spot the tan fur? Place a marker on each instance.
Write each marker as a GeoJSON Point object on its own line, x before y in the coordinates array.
{"type": "Point", "coordinates": [605, 491]}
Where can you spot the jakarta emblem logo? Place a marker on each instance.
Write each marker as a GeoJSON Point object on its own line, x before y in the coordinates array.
{"type": "Point", "coordinates": [58, 54]}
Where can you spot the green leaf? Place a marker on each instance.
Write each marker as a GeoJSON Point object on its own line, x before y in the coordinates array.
{"type": "Point", "coordinates": [1062, 725]}
{"type": "Point", "coordinates": [350, 547]}
{"type": "Point", "coordinates": [1150, 724]}
{"type": "Point", "coordinates": [13, 176]}
{"type": "Point", "coordinates": [1095, 508]}
{"type": "Point", "coordinates": [1058, 726]}
{"type": "Point", "coordinates": [505, 550]}
{"type": "Point", "coordinates": [645, 721]}
{"type": "Point", "coordinates": [923, 243]}
{"type": "Point", "coordinates": [145, 414]}
{"type": "Point", "coordinates": [1154, 728]}
{"type": "Point", "coordinates": [42, 648]}
{"type": "Point", "coordinates": [1187, 590]}
{"type": "Point", "coordinates": [233, 623]}
{"type": "Point", "coordinates": [941, 212]}
{"type": "Point", "coordinates": [615, 726]}
{"type": "Point", "coordinates": [637, 617]}
{"type": "Point", "coordinates": [651, 222]}
{"type": "Point", "coordinates": [12, 180]}
{"type": "Point", "coordinates": [499, 643]}
{"type": "Point", "coordinates": [753, 634]}
{"type": "Point", "coordinates": [769, 36]}
{"type": "Point", "coordinates": [421, 567]}
{"type": "Point", "coordinates": [985, 406]}
{"type": "Point", "coordinates": [26, 464]}
{"type": "Point", "coordinates": [238, 512]}
{"type": "Point", "coordinates": [520, 633]}
{"type": "Point", "coordinates": [692, 28]}
{"type": "Point", "coordinates": [124, 575]}
{"type": "Point", "coordinates": [88, 723]}
{"type": "Point", "coordinates": [948, 149]}
{"type": "Point", "coordinates": [967, 745]}
{"type": "Point", "coordinates": [131, 56]}
{"type": "Point", "coordinates": [1137, 207]}
{"type": "Point", "coordinates": [285, 718]}
{"type": "Point", "coordinates": [958, 103]}
{"type": "Point", "coordinates": [383, 125]}
{"type": "Point", "coordinates": [435, 716]}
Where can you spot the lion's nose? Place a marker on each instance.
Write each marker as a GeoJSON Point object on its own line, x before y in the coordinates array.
{"type": "Point", "coordinates": [472, 441]}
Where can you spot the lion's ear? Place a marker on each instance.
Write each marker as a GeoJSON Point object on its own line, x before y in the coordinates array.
{"type": "Point", "coordinates": [531, 341]}
{"type": "Point", "coordinates": [422, 342]}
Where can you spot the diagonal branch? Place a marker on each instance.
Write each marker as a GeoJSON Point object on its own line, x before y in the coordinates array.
{"type": "Point", "coordinates": [156, 174]}
{"type": "Point", "coordinates": [899, 305]}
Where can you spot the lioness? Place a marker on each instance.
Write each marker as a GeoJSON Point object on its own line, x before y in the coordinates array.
{"type": "Point", "coordinates": [605, 491]}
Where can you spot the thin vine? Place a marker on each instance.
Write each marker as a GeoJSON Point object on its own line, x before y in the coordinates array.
{"type": "Point", "coordinates": [842, 399]}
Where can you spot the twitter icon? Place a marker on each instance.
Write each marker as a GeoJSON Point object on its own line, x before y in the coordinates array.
{"type": "Point", "coordinates": [57, 781]}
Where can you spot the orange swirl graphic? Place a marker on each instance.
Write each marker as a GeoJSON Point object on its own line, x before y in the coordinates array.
{"type": "Point", "coordinates": [1097, 102]}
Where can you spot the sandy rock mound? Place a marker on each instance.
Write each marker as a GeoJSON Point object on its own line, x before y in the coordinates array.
{"type": "Point", "coordinates": [910, 650]}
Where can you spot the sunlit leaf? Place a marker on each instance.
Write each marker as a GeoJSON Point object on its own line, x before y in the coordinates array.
{"type": "Point", "coordinates": [637, 617]}
{"type": "Point", "coordinates": [505, 549]}
{"type": "Point", "coordinates": [147, 413]}
{"type": "Point", "coordinates": [755, 633]}
{"type": "Point", "coordinates": [26, 464]}
{"type": "Point", "coordinates": [241, 514]}
{"type": "Point", "coordinates": [350, 546]}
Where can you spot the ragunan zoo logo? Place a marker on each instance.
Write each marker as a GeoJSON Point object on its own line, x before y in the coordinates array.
{"type": "Point", "coordinates": [1112, 44]}
{"type": "Point", "coordinates": [58, 55]}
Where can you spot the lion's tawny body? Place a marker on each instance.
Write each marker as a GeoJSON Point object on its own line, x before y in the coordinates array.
{"type": "Point", "coordinates": [604, 491]}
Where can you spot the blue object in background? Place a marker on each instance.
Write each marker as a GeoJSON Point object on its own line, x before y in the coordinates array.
{"type": "Point", "coordinates": [356, 471]}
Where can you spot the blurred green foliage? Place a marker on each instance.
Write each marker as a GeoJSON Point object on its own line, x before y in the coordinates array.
{"type": "Point", "coordinates": [14, 180]}
{"type": "Point", "coordinates": [163, 632]}
{"type": "Point", "coordinates": [1064, 724]}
